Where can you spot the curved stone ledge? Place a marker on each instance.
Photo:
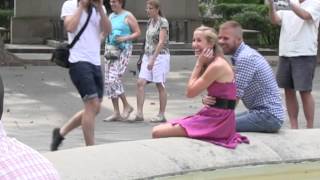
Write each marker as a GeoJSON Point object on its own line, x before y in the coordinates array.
{"type": "Point", "coordinates": [145, 159]}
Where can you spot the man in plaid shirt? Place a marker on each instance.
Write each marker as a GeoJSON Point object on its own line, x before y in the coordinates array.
{"type": "Point", "coordinates": [256, 84]}
{"type": "Point", "coordinates": [18, 161]}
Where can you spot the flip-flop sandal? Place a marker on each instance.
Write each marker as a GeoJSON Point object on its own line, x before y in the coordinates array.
{"type": "Point", "coordinates": [126, 115]}
{"type": "Point", "coordinates": [112, 118]}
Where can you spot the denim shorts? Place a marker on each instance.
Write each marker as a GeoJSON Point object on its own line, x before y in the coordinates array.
{"type": "Point", "coordinates": [257, 122]}
{"type": "Point", "coordinates": [87, 78]}
{"type": "Point", "coordinates": [296, 72]}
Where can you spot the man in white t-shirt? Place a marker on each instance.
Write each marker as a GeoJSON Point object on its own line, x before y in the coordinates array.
{"type": "Point", "coordinates": [298, 54]}
{"type": "Point", "coordinates": [85, 64]}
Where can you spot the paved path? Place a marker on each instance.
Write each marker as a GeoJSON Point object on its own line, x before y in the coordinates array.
{"type": "Point", "coordinates": [39, 98]}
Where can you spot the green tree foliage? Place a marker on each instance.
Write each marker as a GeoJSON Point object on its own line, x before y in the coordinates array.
{"type": "Point", "coordinates": [5, 16]}
{"type": "Point", "coordinates": [250, 16]}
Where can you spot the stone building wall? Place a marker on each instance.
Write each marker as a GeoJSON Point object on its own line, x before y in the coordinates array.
{"type": "Point", "coordinates": [34, 21]}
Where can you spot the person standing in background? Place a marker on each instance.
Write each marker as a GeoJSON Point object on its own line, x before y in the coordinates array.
{"type": "Point", "coordinates": [297, 55]}
{"type": "Point", "coordinates": [156, 60]}
{"type": "Point", "coordinates": [125, 29]}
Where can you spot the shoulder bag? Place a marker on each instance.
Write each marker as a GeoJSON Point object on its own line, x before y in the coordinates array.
{"type": "Point", "coordinates": [60, 55]}
{"type": "Point", "coordinates": [139, 62]}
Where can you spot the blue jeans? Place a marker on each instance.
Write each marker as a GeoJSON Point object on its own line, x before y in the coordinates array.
{"type": "Point", "coordinates": [257, 122]}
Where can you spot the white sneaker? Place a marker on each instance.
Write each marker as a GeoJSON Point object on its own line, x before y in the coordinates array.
{"type": "Point", "coordinates": [158, 118]}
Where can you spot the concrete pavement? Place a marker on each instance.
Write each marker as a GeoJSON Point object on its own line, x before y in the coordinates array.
{"type": "Point", "coordinates": [39, 98]}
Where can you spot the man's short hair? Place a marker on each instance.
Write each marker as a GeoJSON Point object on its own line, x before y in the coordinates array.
{"type": "Point", "coordinates": [234, 25]}
{"type": "Point", "coordinates": [1, 97]}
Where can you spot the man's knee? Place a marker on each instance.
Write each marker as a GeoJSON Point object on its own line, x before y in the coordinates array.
{"type": "Point", "coordinates": [93, 105]}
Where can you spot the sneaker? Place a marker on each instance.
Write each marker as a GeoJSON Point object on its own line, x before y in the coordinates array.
{"type": "Point", "coordinates": [158, 118]}
{"type": "Point", "coordinates": [56, 139]}
{"type": "Point", "coordinates": [136, 119]}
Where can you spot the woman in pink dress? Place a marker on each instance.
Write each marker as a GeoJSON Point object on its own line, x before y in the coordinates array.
{"type": "Point", "coordinates": [212, 72]}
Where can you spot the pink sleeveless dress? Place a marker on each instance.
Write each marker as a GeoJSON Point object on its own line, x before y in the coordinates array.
{"type": "Point", "coordinates": [213, 124]}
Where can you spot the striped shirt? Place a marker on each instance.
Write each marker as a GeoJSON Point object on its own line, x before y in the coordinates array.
{"type": "Point", "coordinates": [256, 84]}
{"type": "Point", "coordinates": [18, 161]}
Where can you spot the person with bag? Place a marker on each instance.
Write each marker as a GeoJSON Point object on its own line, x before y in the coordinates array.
{"type": "Point", "coordinates": [85, 64]}
{"type": "Point", "coordinates": [156, 60]}
{"type": "Point", "coordinates": [118, 50]}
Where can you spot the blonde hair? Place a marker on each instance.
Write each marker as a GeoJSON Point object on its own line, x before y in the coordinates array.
{"type": "Point", "coordinates": [234, 25]}
{"type": "Point", "coordinates": [156, 4]}
{"type": "Point", "coordinates": [211, 37]}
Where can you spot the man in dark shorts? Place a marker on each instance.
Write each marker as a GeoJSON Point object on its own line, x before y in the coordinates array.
{"type": "Point", "coordinates": [298, 55]}
{"type": "Point", "coordinates": [85, 64]}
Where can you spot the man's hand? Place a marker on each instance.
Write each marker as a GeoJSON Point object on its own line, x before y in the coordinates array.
{"type": "Point", "coordinates": [97, 3]}
{"type": "Point", "coordinates": [84, 3]}
{"type": "Point", "coordinates": [208, 100]}
{"type": "Point", "coordinates": [270, 1]}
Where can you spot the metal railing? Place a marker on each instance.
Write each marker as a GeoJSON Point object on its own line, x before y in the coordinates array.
{"type": "Point", "coordinates": [178, 30]}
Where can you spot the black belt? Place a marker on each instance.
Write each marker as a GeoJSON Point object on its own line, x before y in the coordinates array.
{"type": "Point", "coordinates": [224, 104]}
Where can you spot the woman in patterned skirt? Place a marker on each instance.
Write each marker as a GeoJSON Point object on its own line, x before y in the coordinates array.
{"type": "Point", "coordinates": [125, 28]}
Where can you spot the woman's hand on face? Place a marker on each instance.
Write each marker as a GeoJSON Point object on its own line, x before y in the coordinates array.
{"type": "Point", "coordinates": [205, 56]}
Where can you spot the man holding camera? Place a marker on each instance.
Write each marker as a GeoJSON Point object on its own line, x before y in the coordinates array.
{"type": "Point", "coordinates": [297, 54]}
{"type": "Point", "coordinates": [85, 64]}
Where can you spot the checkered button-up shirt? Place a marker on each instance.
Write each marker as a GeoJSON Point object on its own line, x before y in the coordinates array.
{"type": "Point", "coordinates": [256, 84]}
{"type": "Point", "coordinates": [20, 162]}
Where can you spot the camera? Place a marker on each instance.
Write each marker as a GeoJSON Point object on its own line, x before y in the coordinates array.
{"type": "Point", "coordinates": [282, 4]}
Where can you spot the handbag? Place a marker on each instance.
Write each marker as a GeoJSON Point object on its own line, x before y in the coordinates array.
{"type": "Point", "coordinates": [139, 62]}
{"type": "Point", "coordinates": [112, 52]}
{"type": "Point", "coordinates": [60, 55]}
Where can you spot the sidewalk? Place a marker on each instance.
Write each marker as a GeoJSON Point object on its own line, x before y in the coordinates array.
{"type": "Point", "coordinates": [39, 98]}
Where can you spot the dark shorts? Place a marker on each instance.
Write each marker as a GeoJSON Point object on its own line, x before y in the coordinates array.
{"type": "Point", "coordinates": [296, 72]}
{"type": "Point", "coordinates": [87, 78]}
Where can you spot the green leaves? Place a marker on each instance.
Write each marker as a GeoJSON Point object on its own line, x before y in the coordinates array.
{"type": "Point", "coordinates": [5, 16]}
